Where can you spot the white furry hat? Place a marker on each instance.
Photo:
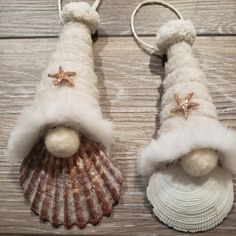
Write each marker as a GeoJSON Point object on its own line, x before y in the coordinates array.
{"type": "Point", "coordinates": [77, 106]}
{"type": "Point", "coordinates": [179, 136]}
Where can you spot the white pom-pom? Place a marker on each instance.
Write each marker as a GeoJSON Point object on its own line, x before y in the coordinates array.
{"type": "Point", "coordinates": [173, 32]}
{"type": "Point", "coordinates": [81, 12]}
{"type": "Point", "coordinates": [199, 162]}
{"type": "Point", "coordinates": [62, 142]}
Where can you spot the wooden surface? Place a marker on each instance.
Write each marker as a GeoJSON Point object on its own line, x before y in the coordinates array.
{"type": "Point", "coordinates": [39, 18]}
{"type": "Point", "coordinates": [128, 82]}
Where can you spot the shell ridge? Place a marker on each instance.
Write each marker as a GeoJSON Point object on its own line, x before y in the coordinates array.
{"type": "Point", "coordinates": [208, 207]}
{"type": "Point", "coordinates": [27, 161]}
{"type": "Point", "coordinates": [38, 197]}
{"type": "Point", "coordinates": [88, 165]}
{"type": "Point", "coordinates": [112, 186]}
{"type": "Point", "coordinates": [111, 167]}
{"type": "Point", "coordinates": [34, 165]}
{"type": "Point", "coordinates": [103, 195]}
{"type": "Point", "coordinates": [78, 190]}
{"type": "Point", "coordinates": [32, 191]}
{"type": "Point", "coordinates": [55, 208]}
{"type": "Point", "coordinates": [66, 189]}
{"type": "Point", "coordinates": [80, 221]}
{"type": "Point", "coordinates": [86, 189]}
{"type": "Point", "coordinates": [44, 214]}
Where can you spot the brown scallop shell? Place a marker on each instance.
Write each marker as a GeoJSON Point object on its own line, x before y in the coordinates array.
{"type": "Point", "coordinates": [77, 190]}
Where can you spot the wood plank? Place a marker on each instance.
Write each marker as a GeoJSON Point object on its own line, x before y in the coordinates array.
{"type": "Point", "coordinates": [129, 81]}
{"type": "Point", "coordinates": [39, 18]}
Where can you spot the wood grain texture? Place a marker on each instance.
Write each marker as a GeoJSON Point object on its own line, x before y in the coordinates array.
{"type": "Point", "coordinates": [129, 82]}
{"type": "Point", "coordinates": [39, 18]}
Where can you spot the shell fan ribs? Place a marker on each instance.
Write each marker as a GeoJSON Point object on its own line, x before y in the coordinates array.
{"type": "Point", "coordinates": [77, 190]}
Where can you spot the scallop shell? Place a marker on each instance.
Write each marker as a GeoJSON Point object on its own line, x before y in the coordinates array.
{"type": "Point", "coordinates": [190, 204]}
{"type": "Point", "coordinates": [78, 190]}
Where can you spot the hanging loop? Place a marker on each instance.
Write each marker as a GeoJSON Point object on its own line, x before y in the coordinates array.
{"type": "Point", "coordinates": [59, 3]}
{"type": "Point", "coordinates": [148, 47]}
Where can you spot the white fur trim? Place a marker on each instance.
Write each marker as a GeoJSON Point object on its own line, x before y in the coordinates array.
{"type": "Point", "coordinates": [62, 107]}
{"type": "Point", "coordinates": [81, 12]}
{"type": "Point", "coordinates": [170, 146]}
{"type": "Point", "coordinates": [173, 32]}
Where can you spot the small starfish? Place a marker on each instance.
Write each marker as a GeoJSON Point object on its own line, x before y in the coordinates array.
{"type": "Point", "coordinates": [184, 104]}
{"type": "Point", "coordinates": [62, 77]}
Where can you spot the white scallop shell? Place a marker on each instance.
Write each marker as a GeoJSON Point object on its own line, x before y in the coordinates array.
{"type": "Point", "coordinates": [190, 204]}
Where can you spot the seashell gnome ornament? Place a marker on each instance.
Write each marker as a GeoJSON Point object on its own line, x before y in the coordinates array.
{"type": "Point", "coordinates": [67, 174]}
{"type": "Point", "coordinates": [190, 163]}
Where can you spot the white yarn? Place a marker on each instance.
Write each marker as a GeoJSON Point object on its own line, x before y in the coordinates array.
{"type": "Point", "coordinates": [185, 74]}
{"type": "Point", "coordinates": [76, 107]}
{"type": "Point", "coordinates": [83, 13]}
{"type": "Point", "coordinates": [179, 61]}
{"type": "Point", "coordinates": [206, 109]}
{"type": "Point", "coordinates": [182, 89]}
{"type": "Point", "coordinates": [59, 3]}
{"type": "Point", "coordinates": [178, 136]}
{"type": "Point", "coordinates": [173, 32]}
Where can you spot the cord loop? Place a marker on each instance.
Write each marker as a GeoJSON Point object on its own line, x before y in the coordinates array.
{"type": "Point", "coordinates": [148, 47]}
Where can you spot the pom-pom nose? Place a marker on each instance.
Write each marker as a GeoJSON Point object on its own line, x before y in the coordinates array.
{"type": "Point", "coordinates": [199, 162]}
{"type": "Point", "coordinates": [62, 142]}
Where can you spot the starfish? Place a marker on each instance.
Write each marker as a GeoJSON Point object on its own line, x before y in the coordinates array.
{"type": "Point", "coordinates": [184, 104]}
{"type": "Point", "coordinates": [63, 77]}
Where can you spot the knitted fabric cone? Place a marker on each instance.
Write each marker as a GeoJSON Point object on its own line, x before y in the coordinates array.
{"type": "Point", "coordinates": [182, 133]}
{"type": "Point", "coordinates": [83, 187]}
{"type": "Point", "coordinates": [76, 107]}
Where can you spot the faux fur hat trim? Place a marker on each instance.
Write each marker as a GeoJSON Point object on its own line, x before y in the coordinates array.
{"type": "Point", "coordinates": [81, 12]}
{"type": "Point", "coordinates": [173, 32]}
{"type": "Point", "coordinates": [63, 107]}
{"type": "Point", "coordinates": [195, 134]}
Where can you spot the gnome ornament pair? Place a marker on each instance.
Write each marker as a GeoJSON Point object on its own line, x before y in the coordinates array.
{"type": "Point", "coordinates": [190, 163]}
{"type": "Point", "coordinates": [67, 174]}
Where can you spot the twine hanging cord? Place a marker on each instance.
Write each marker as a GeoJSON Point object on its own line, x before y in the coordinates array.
{"type": "Point", "coordinates": [143, 44]}
{"type": "Point", "coordinates": [94, 6]}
